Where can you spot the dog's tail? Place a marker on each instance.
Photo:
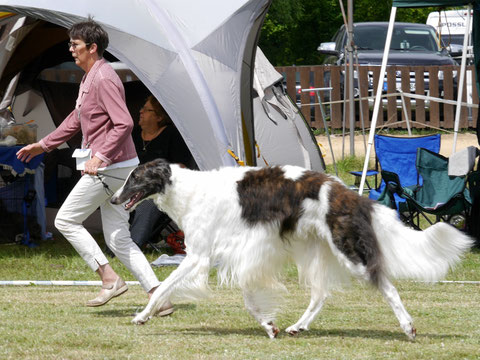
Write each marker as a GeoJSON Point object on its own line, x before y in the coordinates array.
{"type": "Point", "coordinates": [422, 255]}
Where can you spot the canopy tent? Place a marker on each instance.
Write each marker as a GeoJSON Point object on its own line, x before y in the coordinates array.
{"type": "Point", "coordinates": [196, 59]}
{"type": "Point", "coordinates": [281, 133]}
{"type": "Point", "coordinates": [472, 4]}
{"type": "Point", "coordinates": [41, 81]}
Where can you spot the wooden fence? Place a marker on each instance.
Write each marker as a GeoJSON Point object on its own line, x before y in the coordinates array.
{"type": "Point", "coordinates": [435, 81]}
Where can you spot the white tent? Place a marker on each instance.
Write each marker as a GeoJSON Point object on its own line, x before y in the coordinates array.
{"type": "Point", "coordinates": [281, 133]}
{"type": "Point", "coordinates": [196, 57]}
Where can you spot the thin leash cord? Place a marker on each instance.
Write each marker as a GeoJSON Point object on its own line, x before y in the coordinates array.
{"type": "Point", "coordinates": [110, 176]}
{"type": "Point", "coordinates": [105, 185]}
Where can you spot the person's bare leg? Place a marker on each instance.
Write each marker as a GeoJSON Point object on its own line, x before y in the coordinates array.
{"type": "Point", "coordinates": [112, 286]}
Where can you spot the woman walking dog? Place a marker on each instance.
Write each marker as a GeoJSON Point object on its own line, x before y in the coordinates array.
{"type": "Point", "coordinates": [107, 156]}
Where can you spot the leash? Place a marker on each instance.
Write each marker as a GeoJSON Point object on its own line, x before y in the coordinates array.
{"type": "Point", "coordinates": [110, 176]}
{"type": "Point", "coordinates": [107, 189]}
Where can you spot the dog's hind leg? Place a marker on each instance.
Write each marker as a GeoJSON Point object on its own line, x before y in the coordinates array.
{"type": "Point", "coordinates": [261, 305]}
{"type": "Point", "coordinates": [390, 294]}
{"type": "Point", "coordinates": [316, 303]}
{"type": "Point", "coordinates": [190, 274]}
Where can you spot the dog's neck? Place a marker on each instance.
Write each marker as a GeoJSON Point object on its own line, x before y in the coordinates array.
{"type": "Point", "coordinates": [174, 199]}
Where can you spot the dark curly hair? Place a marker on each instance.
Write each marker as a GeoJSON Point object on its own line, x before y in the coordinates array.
{"type": "Point", "coordinates": [159, 110]}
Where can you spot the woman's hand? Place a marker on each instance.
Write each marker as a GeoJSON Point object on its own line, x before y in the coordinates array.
{"type": "Point", "coordinates": [28, 152]}
{"type": "Point", "coordinates": [92, 165]}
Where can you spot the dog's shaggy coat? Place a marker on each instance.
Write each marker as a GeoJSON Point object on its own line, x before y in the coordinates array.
{"type": "Point", "coordinates": [250, 221]}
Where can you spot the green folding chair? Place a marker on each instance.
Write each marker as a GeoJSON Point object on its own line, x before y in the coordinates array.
{"type": "Point", "coordinates": [446, 197]}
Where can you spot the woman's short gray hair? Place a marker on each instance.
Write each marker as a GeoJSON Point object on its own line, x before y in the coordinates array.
{"type": "Point", "coordinates": [90, 32]}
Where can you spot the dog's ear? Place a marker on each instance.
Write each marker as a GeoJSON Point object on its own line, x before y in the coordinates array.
{"type": "Point", "coordinates": [158, 172]}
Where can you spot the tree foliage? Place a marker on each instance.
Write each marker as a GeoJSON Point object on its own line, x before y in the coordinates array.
{"type": "Point", "coordinates": [293, 29]}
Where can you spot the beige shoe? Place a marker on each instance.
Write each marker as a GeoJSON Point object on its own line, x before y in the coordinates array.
{"type": "Point", "coordinates": [165, 310]}
{"type": "Point", "coordinates": [111, 291]}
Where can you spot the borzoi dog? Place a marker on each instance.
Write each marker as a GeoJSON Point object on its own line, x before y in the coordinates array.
{"type": "Point", "coordinates": [250, 221]}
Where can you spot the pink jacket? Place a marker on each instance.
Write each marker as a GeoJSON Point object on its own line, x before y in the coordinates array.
{"type": "Point", "coordinates": [102, 116]}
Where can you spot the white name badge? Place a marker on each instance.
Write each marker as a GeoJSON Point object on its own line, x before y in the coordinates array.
{"type": "Point", "coordinates": [82, 156]}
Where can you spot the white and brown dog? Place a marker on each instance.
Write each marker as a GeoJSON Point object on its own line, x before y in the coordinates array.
{"type": "Point", "coordinates": [250, 221]}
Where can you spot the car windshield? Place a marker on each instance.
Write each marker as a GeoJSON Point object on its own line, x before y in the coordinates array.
{"type": "Point", "coordinates": [403, 38]}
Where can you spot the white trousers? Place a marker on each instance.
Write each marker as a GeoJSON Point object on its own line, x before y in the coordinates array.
{"type": "Point", "coordinates": [87, 195]}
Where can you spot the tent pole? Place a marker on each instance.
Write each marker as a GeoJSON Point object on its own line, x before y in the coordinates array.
{"type": "Point", "coordinates": [462, 78]}
{"type": "Point", "coordinates": [344, 115]}
{"type": "Point", "coordinates": [360, 101]}
{"type": "Point", "coordinates": [378, 98]}
{"type": "Point", "coordinates": [404, 108]}
{"type": "Point", "coordinates": [351, 104]}
{"type": "Point", "coordinates": [324, 116]}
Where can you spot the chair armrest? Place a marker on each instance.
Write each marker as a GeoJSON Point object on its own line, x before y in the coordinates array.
{"type": "Point", "coordinates": [358, 175]}
{"type": "Point", "coordinates": [392, 181]}
{"type": "Point", "coordinates": [369, 173]}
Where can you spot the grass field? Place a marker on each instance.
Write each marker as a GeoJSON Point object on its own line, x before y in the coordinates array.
{"type": "Point", "coordinates": [47, 322]}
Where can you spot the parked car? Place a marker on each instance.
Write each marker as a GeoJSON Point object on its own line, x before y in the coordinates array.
{"type": "Point", "coordinates": [412, 44]}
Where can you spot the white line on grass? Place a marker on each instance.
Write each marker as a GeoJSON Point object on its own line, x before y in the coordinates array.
{"type": "Point", "coordinates": [57, 282]}
{"type": "Point", "coordinates": [99, 283]}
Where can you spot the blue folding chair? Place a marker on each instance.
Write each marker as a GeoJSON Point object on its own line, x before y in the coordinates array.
{"type": "Point", "coordinates": [398, 155]}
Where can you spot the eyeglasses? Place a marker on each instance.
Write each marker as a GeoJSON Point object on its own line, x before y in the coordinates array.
{"type": "Point", "coordinates": [74, 45]}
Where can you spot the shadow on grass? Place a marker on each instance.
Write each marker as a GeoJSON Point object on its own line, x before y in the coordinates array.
{"type": "Point", "coordinates": [131, 311]}
{"type": "Point", "coordinates": [315, 333]}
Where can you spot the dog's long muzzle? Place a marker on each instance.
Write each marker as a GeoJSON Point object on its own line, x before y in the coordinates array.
{"type": "Point", "coordinates": [117, 197]}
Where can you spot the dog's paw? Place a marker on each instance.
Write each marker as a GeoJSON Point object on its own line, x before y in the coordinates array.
{"type": "Point", "coordinates": [271, 329]}
{"type": "Point", "coordinates": [412, 334]}
{"type": "Point", "coordinates": [294, 330]}
{"type": "Point", "coordinates": [410, 331]}
{"type": "Point", "coordinates": [139, 320]}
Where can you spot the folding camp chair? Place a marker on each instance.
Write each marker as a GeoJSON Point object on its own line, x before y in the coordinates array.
{"type": "Point", "coordinates": [397, 155]}
{"type": "Point", "coordinates": [165, 224]}
{"type": "Point", "coordinates": [440, 195]}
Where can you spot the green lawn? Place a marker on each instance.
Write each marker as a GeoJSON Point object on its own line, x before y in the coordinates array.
{"type": "Point", "coordinates": [51, 322]}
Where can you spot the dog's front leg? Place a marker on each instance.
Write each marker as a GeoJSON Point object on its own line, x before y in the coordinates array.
{"type": "Point", "coordinates": [164, 291]}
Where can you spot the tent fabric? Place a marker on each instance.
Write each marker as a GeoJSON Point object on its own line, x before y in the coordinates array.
{"type": "Point", "coordinates": [426, 3]}
{"type": "Point", "coordinates": [9, 161]}
{"type": "Point", "coordinates": [190, 56]}
{"type": "Point", "coordinates": [281, 133]}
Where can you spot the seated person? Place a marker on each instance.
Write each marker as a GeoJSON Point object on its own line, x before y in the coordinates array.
{"type": "Point", "coordinates": [156, 137]}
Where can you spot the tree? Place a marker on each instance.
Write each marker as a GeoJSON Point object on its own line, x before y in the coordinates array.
{"type": "Point", "coordinates": [293, 29]}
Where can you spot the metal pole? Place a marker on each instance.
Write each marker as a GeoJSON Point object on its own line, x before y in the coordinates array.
{"type": "Point", "coordinates": [351, 104]}
{"type": "Point", "coordinates": [324, 116]}
{"type": "Point", "coordinates": [360, 101]}
{"type": "Point", "coordinates": [378, 97]}
{"type": "Point", "coordinates": [404, 107]}
{"type": "Point", "coordinates": [344, 120]}
{"type": "Point", "coordinates": [462, 79]}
